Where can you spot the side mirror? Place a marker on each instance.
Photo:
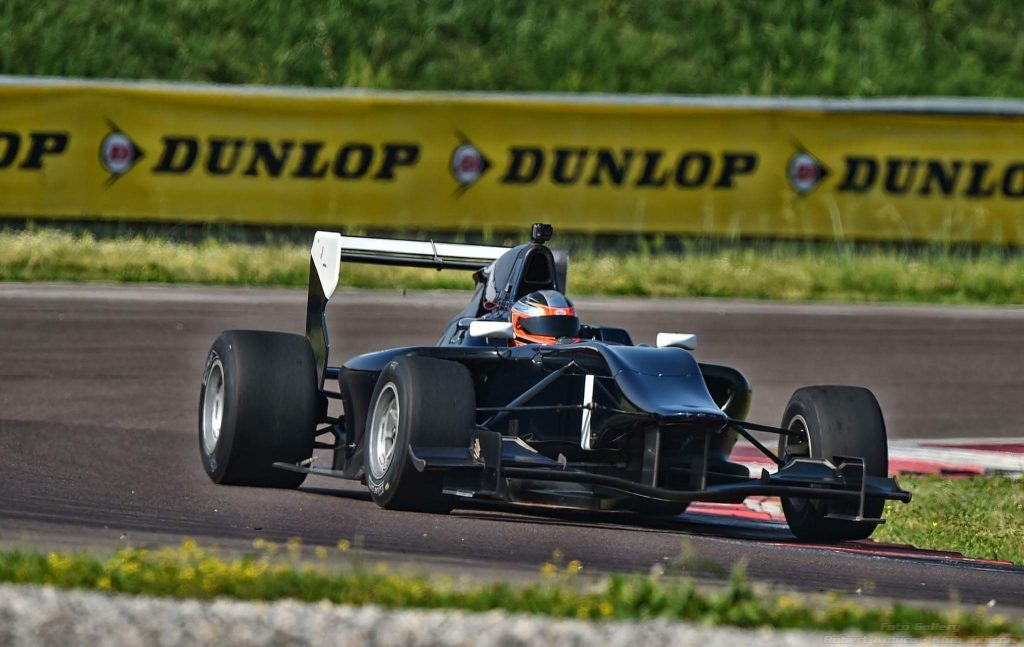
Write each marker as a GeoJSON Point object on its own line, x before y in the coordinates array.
{"type": "Point", "coordinates": [491, 329]}
{"type": "Point", "coordinates": [687, 341]}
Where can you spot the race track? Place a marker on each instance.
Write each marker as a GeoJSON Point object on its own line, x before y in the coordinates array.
{"type": "Point", "coordinates": [99, 389]}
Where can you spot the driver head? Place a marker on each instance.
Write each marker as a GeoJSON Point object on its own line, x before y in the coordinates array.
{"type": "Point", "coordinates": [544, 317]}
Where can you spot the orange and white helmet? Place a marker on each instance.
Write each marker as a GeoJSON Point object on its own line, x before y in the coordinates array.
{"type": "Point", "coordinates": [544, 317]}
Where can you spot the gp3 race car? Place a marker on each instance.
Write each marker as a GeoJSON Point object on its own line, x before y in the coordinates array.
{"type": "Point", "coordinates": [520, 402]}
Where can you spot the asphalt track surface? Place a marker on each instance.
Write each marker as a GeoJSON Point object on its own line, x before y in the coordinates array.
{"type": "Point", "coordinates": [99, 388]}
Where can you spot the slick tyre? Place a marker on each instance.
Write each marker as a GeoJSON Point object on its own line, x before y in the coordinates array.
{"type": "Point", "coordinates": [257, 405]}
{"type": "Point", "coordinates": [418, 401]}
{"type": "Point", "coordinates": [834, 421]}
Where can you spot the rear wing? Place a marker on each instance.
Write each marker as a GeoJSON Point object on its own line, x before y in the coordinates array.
{"type": "Point", "coordinates": [330, 249]}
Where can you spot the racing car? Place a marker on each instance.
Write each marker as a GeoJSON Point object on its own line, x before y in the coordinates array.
{"type": "Point", "coordinates": [520, 402]}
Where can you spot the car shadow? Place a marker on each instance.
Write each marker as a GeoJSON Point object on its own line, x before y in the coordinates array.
{"type": "Point", "coordinates": [692, 523]}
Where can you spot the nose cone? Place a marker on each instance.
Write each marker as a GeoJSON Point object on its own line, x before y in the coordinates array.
{"type": "Point", "coordinates": [666, 382]}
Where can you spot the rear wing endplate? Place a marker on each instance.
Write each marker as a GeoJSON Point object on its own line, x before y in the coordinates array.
{"type": "Point", "coordinates": [331, 248]}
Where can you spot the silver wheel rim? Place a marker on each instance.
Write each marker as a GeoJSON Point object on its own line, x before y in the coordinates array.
{"type": "Point", "coordinates": [801, 448]}
{"type": "Point", "coordinates": [384, 430]}
{"type": "Point", "coordinates": [213, 407]}
{"type": "Point", "coordinates": [798, 449]}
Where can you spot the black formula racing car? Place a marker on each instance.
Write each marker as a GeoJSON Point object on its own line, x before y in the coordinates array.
{"type": "Point", "coordinates": [520, 402]}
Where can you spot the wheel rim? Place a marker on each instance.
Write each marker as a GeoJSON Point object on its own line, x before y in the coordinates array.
{"type": "Point", "coordinates": [384, 430]}
{"type": "Point", "coordinates": [798, 448]}
{"type": "Point", "coordinates": [213, 407]}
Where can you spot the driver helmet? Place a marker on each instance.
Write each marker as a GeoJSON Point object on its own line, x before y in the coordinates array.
{"type": "Point", "coordinates": [544, 317]}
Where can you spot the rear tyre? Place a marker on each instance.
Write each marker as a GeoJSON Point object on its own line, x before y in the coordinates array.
{"type": "Point", "coordinates": [257, 405]}
{"type": "Point", "coordinates": [418, 401]}
{"type": "Point", "coordinates": [834, 421]}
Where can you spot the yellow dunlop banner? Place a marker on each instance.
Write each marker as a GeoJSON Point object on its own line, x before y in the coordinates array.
{"type": "Point", "coordinates": [942, 171]}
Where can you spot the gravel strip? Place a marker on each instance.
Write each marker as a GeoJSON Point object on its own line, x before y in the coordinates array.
{"type": "Point", "coordinates": [35, 615]}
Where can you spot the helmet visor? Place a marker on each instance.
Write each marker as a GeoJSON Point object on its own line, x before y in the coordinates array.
{"type": "Point", "coordinates": [551, 326]}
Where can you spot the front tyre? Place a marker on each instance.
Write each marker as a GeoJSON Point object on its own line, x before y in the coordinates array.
{"type": "Point", "coordinates": [418, 401]}
{"type": "Point", "coordinates": [257, 405]}
{"type": "Point", "coordinates": [834, 421]}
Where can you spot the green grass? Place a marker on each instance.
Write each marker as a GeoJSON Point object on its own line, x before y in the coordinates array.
{"type": "Point", "coordinates": [978, 517]}
{"type": "Point", "coordinates": [190, 572]}
{"type": "Point", "coordinates": [779, 47]}
{"type": "Point", "coordinates": [779, 271]}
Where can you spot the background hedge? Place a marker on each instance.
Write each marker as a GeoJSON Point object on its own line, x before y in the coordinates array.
{"type": "Point", "coordinates": [756, 47]}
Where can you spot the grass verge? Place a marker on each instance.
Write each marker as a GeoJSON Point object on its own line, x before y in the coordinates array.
{"type": "Point", "coordinates": [979, 517]}
{"type": "Point", "coordinates": [787, 272]}
{"type": "Point", "coordinates": [191, 572]}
